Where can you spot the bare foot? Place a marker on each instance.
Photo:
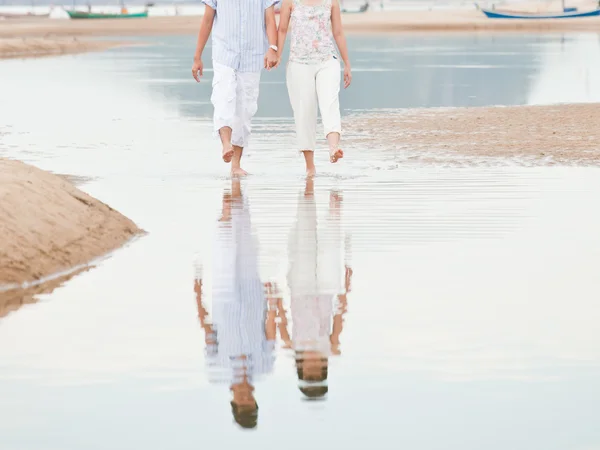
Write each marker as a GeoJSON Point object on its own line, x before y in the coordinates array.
{"type": "Point", "coordinates": [311, 172]}
{"type": "Point", "coordinates": [335, 155]}
{"type": "Point", "coordinates": [227, 154]}
{"type": "Point", "coordinates": [238, 173]}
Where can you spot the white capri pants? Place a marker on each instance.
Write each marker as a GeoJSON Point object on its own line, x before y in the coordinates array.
{"type": "Point", "coordinates": [310, 85]}
{"type": "Point", "coordinates": [235, 100]}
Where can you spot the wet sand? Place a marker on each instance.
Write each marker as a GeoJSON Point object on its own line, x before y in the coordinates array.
{"type": "Point", "coordinates": [532, 135]}
{"type": "Point", "coordinates": [37, 47]}
{"type": "Point", "coordinates": [48, 226]}
{"type": "Point", "coordinates": [473, 288]}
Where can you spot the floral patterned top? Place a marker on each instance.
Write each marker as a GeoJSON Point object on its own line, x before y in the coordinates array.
{"type": "Point", "coordinates": [311, 36]}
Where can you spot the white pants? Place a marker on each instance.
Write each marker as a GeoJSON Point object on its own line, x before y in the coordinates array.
{"type": "Point", "coordinates": [310, 85]}
{"type": "Point", "coordinates": [235, 99]}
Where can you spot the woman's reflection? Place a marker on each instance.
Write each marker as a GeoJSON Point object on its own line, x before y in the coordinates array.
{"type": "Point", "coordinates": [240, 339]}
{"type": "Point", "coordinates": [319, 280]}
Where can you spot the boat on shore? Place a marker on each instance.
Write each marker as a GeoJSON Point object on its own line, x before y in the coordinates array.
{"type": "Point", "coordinates": [92, 15]}
{"type": "Point", "coordinates": [492, 14]}
{"type": "Point", "coordinates": [567, 13]}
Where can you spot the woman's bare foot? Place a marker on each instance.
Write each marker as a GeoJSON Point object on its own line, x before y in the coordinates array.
{"type": "Point", "coordinates": [334, 155]}
{"type": "Point", "coordinates": [227, 154]}
{"type": "Point", "coordinates": [311, 172]}
{"type": "Point", "coordinates": [238, 172]}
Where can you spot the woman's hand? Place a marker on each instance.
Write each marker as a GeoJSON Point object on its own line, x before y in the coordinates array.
{"type": "Point", "coordinates": [347, 75]}
{"type": "Point", "coordinates": [271, 59]}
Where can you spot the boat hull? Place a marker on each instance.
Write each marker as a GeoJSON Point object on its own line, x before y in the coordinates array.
{"type": "Point", "coordinates": [86, 15]}
{"type": "Point", "coordinates": [492, 14]}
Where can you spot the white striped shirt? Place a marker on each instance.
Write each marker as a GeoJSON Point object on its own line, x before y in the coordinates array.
{"type": "Point", "coordinates": [239, 304]}
{"type": "Point", "coordinates": [239, 33]}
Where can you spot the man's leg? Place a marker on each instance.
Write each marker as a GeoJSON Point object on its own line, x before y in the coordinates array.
{"type": "Point", "coordinates": [237, 137]}
{"type": "Point", "coordinates": [224, 99]}
{"type": "Point", "coordinates": [246, 107]}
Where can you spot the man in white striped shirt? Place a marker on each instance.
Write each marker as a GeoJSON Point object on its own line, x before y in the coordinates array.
{"type": "Point", "coordinates": [244, 42]}
{"type": "Point", "coordinates": [240, 331]}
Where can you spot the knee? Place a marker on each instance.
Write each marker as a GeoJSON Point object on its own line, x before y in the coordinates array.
{"type": "Point", "coordinates": [251, 100]}
{"type": "Point", "coordinates": [223, 99]}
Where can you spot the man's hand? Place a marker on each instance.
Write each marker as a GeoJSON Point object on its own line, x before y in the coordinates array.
{"type": "Point", "coordinates": [271, 59]}
{"type": "Point", "coordinates": [197, 69]}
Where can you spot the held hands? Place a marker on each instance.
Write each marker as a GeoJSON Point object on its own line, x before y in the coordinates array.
{"type": "Point", "coordinates": [271, 59]}
{"type": "Point", "coordinates": [197, 69]}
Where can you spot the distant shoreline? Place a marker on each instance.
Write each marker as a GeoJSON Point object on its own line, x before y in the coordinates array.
{"type": "Point", "coordinates": [58, 36]}
{"type": "Point", "coordinates": [375, 22]}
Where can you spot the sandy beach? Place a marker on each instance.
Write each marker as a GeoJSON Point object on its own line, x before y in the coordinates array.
{"type": "Point", "coordinates": [375, 22]}
{"type": "Point", "coordinates": [16, 35]}
{"type": "Point", "coordinates": [27, 47]}
{"type": "Point", "coordinates": [49, 226]}
{"type": "Point", "coordinates": [43, 37]}
{"type": "Point", "coordinates": [531, 135]}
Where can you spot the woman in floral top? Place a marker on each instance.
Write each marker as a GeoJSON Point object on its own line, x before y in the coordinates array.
{"type": "Point", "coordinates": [313, 71]}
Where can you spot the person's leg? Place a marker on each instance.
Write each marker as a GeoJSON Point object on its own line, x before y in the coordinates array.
{"type": "Point", "coordinates": [246, 107]}
{"type": "Point", "coordinates": [223, 99]}
{"type": "Point", "coordinates": [303, 98]}
{"type": "Point", "coordinates": [328, 93]}
{"type": "Point", "coordinates": [237, 136]}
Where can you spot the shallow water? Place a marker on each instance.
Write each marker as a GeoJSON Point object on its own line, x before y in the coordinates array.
{"type": "Point", "coordinates": [472, 317]}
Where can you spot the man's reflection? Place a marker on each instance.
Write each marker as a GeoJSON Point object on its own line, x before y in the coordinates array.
{"type": "Point", "coordinates": [240, 338]}
{"type": "Point", "coordinates": [319, 280]}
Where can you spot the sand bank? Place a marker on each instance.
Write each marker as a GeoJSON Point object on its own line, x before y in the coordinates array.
{"type": "Point", "coordinates": [48, 226]}
{"type": "Point", "coordinates": [37, 47]}
{"type": "Point", "coordinates": [389, 21]}
{"type": "Point", "coordinates": [531, 135]}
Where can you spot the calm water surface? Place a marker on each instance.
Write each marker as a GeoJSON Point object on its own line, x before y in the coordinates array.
{"type": "Point", "coordinates": [472, 311]}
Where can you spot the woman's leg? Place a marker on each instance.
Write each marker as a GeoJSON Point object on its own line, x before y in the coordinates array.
{"type": "Point", "coordinates": [328, 93]}
{"type": "Point", "coordinates": [303, 98]}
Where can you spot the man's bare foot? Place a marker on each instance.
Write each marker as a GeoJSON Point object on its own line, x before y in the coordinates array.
{"type": "Point", "coordinates": [334, 155]}
{"type": "Point", "coordinates": [311, 172]}
{"type": "Point", "coordinates": [238, 172]}
{"type": "Point", "coordinates": [227, 154]}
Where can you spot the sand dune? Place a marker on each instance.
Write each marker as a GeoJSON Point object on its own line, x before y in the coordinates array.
{"type": "Point", "coordinates": [48, 226]}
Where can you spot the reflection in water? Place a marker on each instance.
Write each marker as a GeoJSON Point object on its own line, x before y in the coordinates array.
{"type": "Point", "coordinates": [569, 71]}
{"type": "Point", "coordinates": [318, 288]}
{"type": "Point", "coordinates": [240, 338]}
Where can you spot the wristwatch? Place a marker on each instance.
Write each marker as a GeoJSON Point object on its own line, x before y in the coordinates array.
{"type": "Point", "coordinates": [274, 47]}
